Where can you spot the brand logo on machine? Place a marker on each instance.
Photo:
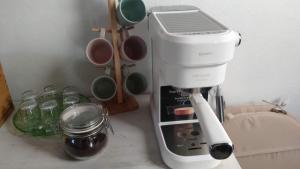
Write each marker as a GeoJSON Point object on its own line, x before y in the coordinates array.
{"type": "Point", "coordinates": [204, 53]}
{"type": "Point", "coordinates": [201, 77]}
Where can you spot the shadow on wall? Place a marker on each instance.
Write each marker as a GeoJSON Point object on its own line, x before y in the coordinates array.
{"type": "Point", "coordinates": [91, 13]}
{"type": "Point", "coordinates": [77, 70]}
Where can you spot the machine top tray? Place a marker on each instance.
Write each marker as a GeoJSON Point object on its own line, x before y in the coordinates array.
{"type": "Point", "coordinates": [188, 22]}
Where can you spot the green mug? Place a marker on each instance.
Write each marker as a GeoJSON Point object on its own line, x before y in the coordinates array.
{"type": "Point", "coordinates": [104, 87]}
{"type": "Point", "coordinates": [130, 12]}
{"type": "Point", "coordinates": [135, 83]}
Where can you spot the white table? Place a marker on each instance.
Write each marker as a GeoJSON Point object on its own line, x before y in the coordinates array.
{"type": "Point", "coordinates": [133, 146]}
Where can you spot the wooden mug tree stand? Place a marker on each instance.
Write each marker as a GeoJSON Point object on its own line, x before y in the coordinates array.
{"type": "Point", "coordinates": [120, 103]}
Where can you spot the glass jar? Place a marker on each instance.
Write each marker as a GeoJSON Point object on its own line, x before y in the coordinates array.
{"type": "Point", "coordinates": [50, 116]}
{"type": "Point", "coordinates": [84, 128]}
{"type": "Point", "coordinates": [70, 100]}
{"type": "Point", "coordinates": [70, 91]}
{"type": "Point", "coordinates": [28, 95]}
{"type": "Point", "coordinates": [28, 116]}
{"type": "Point", "coordinates": [50, 93]}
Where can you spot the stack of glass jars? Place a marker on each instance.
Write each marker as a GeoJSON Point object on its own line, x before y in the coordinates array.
{"type": "Point", "coordinates": [39, 114]}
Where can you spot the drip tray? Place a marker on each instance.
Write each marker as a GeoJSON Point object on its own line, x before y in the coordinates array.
{"type": "Point", "coordinates": [185, 139]}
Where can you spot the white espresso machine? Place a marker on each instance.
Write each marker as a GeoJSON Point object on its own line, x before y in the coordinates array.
{"type": "Point", "coordinates": [190, 52]}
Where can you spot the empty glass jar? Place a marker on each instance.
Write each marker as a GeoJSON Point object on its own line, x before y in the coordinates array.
{"type": "Point", "coordinates": [70, 91]}
{"type": "Point", "coordinates": [84, 129]}
{"type": "Point", "coordinates": [70, 100]}
{"type": "Point", "coordinates": [50, 93]}
{"type": "Point", "coordinates": [50, 116]}
{"type": "Point", "coordinates": [28, 118]}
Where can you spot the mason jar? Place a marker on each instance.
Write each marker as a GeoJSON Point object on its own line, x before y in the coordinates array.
{"type": "Point", "coordinates": [84, 127]}
{"type": "Point", "coordinates": [28, 117]}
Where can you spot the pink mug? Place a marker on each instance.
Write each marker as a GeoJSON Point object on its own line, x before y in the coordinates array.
{"type": "Point", "coordinates": [99, 51]}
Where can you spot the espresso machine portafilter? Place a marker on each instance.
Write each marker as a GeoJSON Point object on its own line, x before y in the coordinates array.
{"type": "Point", "coordinates": [220, 145]}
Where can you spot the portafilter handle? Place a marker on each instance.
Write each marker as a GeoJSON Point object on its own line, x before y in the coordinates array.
{"type": "Point", "coordinates": [220, 145]}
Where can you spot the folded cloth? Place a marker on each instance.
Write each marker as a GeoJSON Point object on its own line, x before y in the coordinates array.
{"type": "Point", "coordinates": [264, 139]}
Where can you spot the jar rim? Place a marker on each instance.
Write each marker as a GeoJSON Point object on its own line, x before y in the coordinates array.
{"type": "Point", "coordinates": [29, 104]}
{"type": "Point", "coordinates": [49, 105]}
{"type": "Point", "coordinates": [82, 118]}
{"type": "Point", "coordinates": [71, 99]}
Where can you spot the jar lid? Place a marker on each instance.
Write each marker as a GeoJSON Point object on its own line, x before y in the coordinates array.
{"type": "Point", "coordinates": [82, 118]}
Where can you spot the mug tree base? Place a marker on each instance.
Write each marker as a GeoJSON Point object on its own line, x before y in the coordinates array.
{"type": "Point", "coordinates": [129, 104]}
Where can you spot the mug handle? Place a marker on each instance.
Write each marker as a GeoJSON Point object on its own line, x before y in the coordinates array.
{"type": "Point", "coordinates": [102, 33]}
{"type": "Point", "coordinates": [124, 34]}
{"type": "Point", "coordinates": [107, 70]}
{"type": "Point", "coordinates": [126, 71]}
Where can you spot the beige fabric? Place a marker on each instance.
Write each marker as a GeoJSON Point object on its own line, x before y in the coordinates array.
{"type": "Point", "coordinates": [264, 140]}
{"type": "Point", "coordinates": [276, 160]}
{"type": "Point", "coordinates": [231, 111]}
{"type": "Point", "coordinates": [248, 108]}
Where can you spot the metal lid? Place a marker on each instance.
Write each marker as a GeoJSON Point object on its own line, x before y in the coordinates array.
{"type": "Point", "coordinates": [82, 118]}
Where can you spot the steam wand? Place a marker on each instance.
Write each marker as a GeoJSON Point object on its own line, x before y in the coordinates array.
{"type": "Point", "coordinates": [220, 145]}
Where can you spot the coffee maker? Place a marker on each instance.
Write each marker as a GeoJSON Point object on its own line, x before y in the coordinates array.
{"type": "Point", "coordinates": [190, 52]}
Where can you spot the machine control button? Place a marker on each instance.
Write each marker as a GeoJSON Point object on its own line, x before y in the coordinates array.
{"type": "Point", "coordinates": [195, 133]}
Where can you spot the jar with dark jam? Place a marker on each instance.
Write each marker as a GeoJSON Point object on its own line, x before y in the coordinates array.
{"type": "Point", "coordinates": [84, 129]}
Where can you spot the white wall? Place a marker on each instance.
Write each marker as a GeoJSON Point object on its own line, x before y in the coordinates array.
{"type": "Point", "coordinates": [43, 42]}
